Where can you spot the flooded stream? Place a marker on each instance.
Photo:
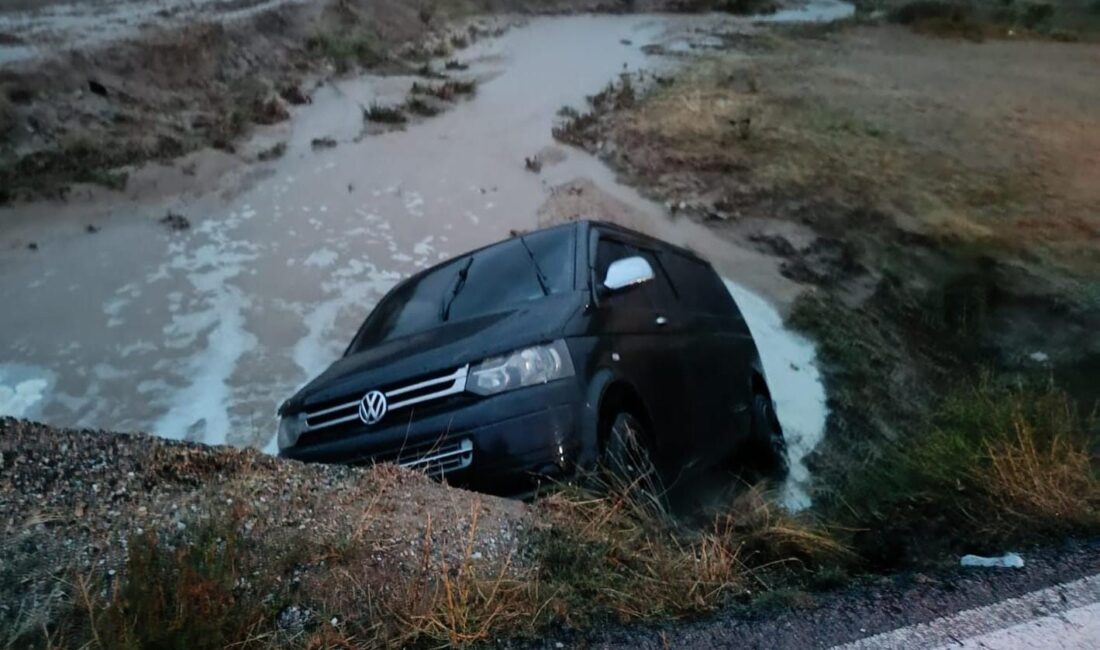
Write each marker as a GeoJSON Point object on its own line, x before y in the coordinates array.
{"type": "Point", "coordinates": [200, 334]}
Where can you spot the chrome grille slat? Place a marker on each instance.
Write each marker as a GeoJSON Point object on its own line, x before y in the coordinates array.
{"type": "Point", "coordinates": [452, 384]}
{"type": "Point", "coordinates": [333, 409]}
{"type": "Point", "coordinates": [453, 377]}
{"type": "Point", "coordinates": [443, 459]}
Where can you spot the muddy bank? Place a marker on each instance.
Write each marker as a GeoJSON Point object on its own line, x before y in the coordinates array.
{"type": "Point", "coordinates": [140, 81]}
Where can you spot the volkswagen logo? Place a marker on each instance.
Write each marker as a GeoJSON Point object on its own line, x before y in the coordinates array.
{"type": "Point", "coordinates": [372, 407]}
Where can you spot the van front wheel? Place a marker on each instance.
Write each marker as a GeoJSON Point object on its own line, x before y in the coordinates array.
{"type": "Point", "coordinates": [766, 449]}
{"type": "Point", "coordinates": [624, 453]}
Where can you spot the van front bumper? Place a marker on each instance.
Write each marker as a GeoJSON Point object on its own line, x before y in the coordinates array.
{"type": "Point", "coordinates": [501, 444]}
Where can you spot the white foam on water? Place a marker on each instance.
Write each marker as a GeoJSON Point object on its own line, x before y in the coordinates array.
{"type": "Point", "coordinates": [23, 389]}
{"type": "Point", "coordinates": [323, 258]}
{"type": "Point", "coordinates": [201, 409]}
{"type": "Point", "coordinates": [790, 363]}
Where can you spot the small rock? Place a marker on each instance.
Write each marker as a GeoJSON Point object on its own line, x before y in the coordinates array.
{"type": "Point", "coordinates": [293, 94]}
{"type": "Point", "coordinates": [97, 88]}
{"type": "Point", "coordinates": [294, 619]}
{"type": "Point", "coordinates": [175, 221]}
{"type": "Point", "coordinates": [32, 246]}
{"type": "Point", "coordinates": [91, 228]}
{"type": "Point", "coordinates": [270, 110]}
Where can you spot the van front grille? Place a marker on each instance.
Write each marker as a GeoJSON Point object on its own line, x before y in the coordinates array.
{"type": "Point", "coordinates": [397, 398]}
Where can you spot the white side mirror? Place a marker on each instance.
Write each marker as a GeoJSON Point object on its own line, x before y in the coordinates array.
{"type": "Point", "coordinates": [627, 272]}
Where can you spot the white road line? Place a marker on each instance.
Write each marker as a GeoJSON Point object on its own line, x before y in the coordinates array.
{"type": "Point", "coordinates": [1064, 616]}
{"type": "Point", "coordinates": [1077, 629]}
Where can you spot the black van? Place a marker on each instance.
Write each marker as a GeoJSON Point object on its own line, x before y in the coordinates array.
{"type": "Point", "coordinates": [541, 355]}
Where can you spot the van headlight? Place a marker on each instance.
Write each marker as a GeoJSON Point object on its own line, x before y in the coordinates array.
{"type": "Point", "coordinates": [290, 427]}
{"type": "Point", "coordinates": [537, 364]}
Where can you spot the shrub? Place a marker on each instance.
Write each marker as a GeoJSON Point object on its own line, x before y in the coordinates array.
{"type": "Point", "coordinates": [939, 17]}
{"type": "Point", "coordinates": [1036, 14]}
{"type": "Point", "coordinates": [918, 11]}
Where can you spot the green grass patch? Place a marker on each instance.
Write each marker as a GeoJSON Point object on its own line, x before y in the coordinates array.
{"type": "Point", "coordinates": [999, 464]}
{"type": "Point", "coordinates": [345, 49]}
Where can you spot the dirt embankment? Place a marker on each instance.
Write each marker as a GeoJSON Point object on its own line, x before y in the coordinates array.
{"type": "Point", "coordinates": [930, 195]}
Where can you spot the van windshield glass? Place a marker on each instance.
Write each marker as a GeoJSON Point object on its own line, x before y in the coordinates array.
{"type": "Point", "coordinates": [496, 278]}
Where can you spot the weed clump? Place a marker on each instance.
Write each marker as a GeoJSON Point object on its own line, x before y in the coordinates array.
{"type": "Point", "coordinates": [182, 598]}
{"type": "Point", "coordinates": [275, 152]}
{"type": "Point", "coordinates": [418, 106]}
{"type": "Point", "coordinates": [384, 114]}
{"type": "Point", "coordinates": [446, 91]}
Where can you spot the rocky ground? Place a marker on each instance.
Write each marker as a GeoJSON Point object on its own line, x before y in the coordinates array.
{"type": "Point", "coordinates": [72, 503]}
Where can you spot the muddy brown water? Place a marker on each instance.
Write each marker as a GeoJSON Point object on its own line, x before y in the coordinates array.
{"type": "Point", "coordinates": [199, 334]}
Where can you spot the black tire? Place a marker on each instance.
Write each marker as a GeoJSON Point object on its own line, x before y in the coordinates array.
{"type": "Point", "coordinates": [767, 448]}
{"type": "Point", "coordinates": [625, 451]}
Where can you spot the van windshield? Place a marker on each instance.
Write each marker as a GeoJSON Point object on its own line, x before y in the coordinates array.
{"type": "Point", "coordinates": [496, 278]}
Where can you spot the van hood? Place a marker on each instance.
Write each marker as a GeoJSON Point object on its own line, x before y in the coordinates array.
{"type": "Point", "coordinates": [440, 349]}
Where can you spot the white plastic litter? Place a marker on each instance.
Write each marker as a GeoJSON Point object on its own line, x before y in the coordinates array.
{"type": "Point", "coordinates": [1006, 561]}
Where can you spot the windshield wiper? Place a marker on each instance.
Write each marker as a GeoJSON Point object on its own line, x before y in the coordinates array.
{"type": "Point", "coordinates": [460, 282]}
{"type": "Point", "coordinates": [538, 270]}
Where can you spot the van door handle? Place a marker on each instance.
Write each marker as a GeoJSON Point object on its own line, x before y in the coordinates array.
{"type": "Point", "coordinates": [661, 320]}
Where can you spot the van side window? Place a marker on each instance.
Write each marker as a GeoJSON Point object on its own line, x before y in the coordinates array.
{"type": "Point", "coordinates": [699, 287]}
{"type": "Point", "coordinates": [660, 289]}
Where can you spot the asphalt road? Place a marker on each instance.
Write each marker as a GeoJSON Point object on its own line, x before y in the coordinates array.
{"type": "Point", "coordinates": [1052, 602]}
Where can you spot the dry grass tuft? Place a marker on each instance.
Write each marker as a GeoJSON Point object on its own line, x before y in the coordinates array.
{"type": "Point", "coordinates": [457, 605]}
{"type": "Point", "coordinates": [1054, 480]}
{"type": "Point", "coordinates": [620, 552]}
{"type": "Point", "coordinates": [1003, 465]}
{"type": "Point", "coordinates": [766, 533]}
